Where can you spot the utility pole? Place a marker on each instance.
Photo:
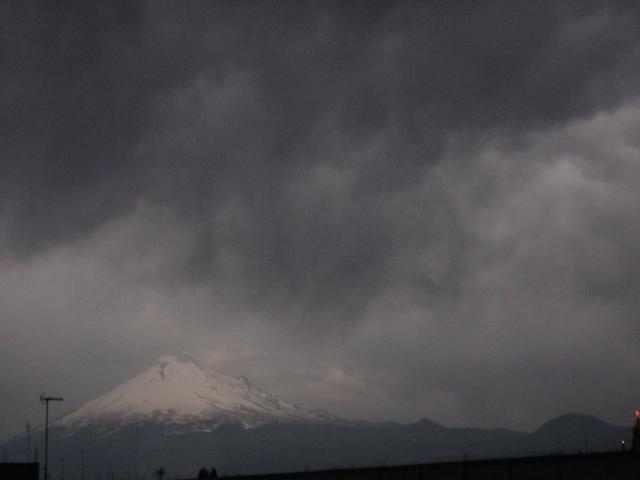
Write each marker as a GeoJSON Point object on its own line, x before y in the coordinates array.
{"type": "Point", "coordinates": [62, 468]}
{"type": "Point", "coordinates": [45, 399]}
{"type": "Point", "coordinates": [81, 460]}
{"type": "Point", "coordinates": [28, 428]}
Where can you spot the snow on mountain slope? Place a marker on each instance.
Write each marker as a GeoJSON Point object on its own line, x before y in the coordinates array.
{"type": "Point", "coordinates": [177, 390]}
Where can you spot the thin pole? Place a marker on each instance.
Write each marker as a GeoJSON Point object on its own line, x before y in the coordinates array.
{"type": "Point", "coordinates": [81, 460]}
{"type": "Point", "coordinates": [45, 400]}
{"type": "Point", "coordinates": [46, 438]}
{"type": "Point", "coordinates": [28, 442]}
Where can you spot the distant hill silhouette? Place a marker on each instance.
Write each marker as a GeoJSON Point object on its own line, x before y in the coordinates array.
{"type": "Point", "coordinates": [573, 431]}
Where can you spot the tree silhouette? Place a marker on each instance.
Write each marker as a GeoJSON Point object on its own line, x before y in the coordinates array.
{"type": "Point", "coordinates": [160, 473]}
{"type": "Point", "coordinates": [203, 474]}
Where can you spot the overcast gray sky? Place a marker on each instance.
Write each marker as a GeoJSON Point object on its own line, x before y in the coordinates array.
{"type": "Point", "coordinates": [389, 210]}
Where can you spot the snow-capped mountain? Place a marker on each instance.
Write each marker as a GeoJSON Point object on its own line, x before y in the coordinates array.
{"type": "Point", "coordinates": [170, 415]}
{"type": "Point", "coordinates": [177, 391]}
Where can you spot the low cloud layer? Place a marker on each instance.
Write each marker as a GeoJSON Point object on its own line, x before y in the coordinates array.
{"type": "Point", "coordinates": [388, 210]}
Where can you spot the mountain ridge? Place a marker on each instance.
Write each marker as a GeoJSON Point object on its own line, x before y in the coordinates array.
{"type": "Point", "coordinates": [180, 415]}
{"type": "Point", "coordinates": [295, 446]}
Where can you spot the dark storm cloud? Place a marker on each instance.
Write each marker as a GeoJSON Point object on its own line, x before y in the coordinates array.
{"type": "Point", "coordinates": [317, 165]}
{"type": "Point", "coordinates": [81, 86]}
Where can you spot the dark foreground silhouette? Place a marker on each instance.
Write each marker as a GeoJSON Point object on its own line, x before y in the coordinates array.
{"type": "Point", "coordinates": [19, 471]}
{"type": "Point", "coordinates": [591, 466]}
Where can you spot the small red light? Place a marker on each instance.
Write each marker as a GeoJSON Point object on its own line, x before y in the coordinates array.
{"type": "Point", "coordinates": [637, 413]}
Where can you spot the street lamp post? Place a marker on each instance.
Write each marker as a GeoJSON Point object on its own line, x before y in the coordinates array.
{"type": "Point", "coordinates": [45, 399]}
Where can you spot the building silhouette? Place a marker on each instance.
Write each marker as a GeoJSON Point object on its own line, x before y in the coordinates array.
{"type": "Point", "coordinates": [19, 471]}
{"type": "Point", "coordinates": [635, 442]}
